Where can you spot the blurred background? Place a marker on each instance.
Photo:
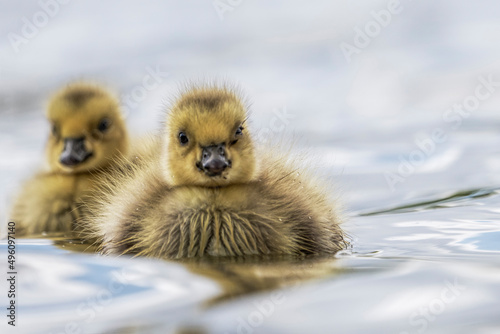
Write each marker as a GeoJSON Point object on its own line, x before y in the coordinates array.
{"type": "Point", "coordinates": [398, 100]}
{"type": "Point", "coordinates": [371, 74]}
{"type": "Point", "coordinates": [365, 73]}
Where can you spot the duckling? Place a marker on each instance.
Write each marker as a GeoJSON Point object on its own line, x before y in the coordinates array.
{"type": "Point", "coordinates": [210, 192]}
{"type": "Point", "coordinates": [239, 276]}
{"type": "Point", "coordinates": [88, 134]}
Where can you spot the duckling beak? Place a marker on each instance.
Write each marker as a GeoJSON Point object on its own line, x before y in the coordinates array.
{"type": "Point", "coordinates": [214, 161]}
{"type": "Point", "coordinates": [74, 152]}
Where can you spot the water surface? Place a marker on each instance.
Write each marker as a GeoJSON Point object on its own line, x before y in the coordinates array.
{"type": "Point", "coordinates": [425, 242]}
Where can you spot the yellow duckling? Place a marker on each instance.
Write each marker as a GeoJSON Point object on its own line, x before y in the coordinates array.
{"type": "Point", "coordinates": [88, 135]}
{"type": "Point", "coordinates": [207, 192]}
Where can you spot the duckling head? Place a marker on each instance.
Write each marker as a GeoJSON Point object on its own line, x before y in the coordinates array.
{"type": "Point", "coordinates": [206, 142]}
{"type": "Point", "coordinates": [88, 130]}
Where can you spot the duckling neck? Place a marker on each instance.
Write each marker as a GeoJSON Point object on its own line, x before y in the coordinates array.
{"type": "Point", "coordinates": [230, 196]}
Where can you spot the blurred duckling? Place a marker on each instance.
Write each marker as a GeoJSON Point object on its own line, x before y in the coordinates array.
{"type": "Point", "coordinates": [208, 192]}
{"type": "Point", "coordinates": [88, 135]}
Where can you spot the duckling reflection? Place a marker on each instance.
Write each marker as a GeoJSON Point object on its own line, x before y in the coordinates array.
{"type": "Point", "coordinates": [210, 193]}
{"type": "Point", "coordinates": [88, 135]}
{"type": "Point", "coordinates": [72, 243]}
{"type": "Point", "coordinates": [242, 276]}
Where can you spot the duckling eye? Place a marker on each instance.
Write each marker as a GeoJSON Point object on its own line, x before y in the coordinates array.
{"type": "Point", "coordinates": [104, 125]}
{"type": "Point", "coordinates": [183, 138]}
{"type": "Point", "coordinates": [239, 131]}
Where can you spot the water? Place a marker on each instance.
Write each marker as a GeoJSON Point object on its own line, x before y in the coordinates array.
{"type": "Point", "coordinates": [422, 215]}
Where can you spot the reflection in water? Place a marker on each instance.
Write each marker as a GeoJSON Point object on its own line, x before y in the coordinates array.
{"type": "Point", "coordinates": [447, 201]}
{"type": "Point", "coordinates": [105, 294]}
{"type": "Point", "coordinates": [238, 276]}
{"type": "Point", "coordinates": [241, 276]}
{"type": "Point", "coordinates": [74, 244]}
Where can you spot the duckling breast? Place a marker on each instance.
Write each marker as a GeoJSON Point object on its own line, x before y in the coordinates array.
{"type": "Point", "coordinates": [217, 231]}
{"type": "Point", "coordinates": [204, 230]}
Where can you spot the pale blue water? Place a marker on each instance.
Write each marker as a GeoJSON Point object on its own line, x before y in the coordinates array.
{"type": "Point", "coordinates": [425, 235]}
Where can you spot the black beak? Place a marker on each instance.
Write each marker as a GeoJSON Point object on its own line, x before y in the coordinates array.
{"type": "Point", "coordinates": [213, 160]}
{"type": "Point", "coordinates": [74, 152]}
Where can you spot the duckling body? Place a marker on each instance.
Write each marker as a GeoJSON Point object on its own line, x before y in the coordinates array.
{"type": "Point", "coordinates": [211, 194]}
{"type": "Point", "coordinates": [50, 202]}
{"type": "Point", "coordinates": [88, 134]}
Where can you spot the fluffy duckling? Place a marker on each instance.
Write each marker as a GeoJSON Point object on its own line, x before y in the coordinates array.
{"type": "Point", "coordinates": [88, 135]}
{"type": "Point", "coordinates": [210, 193]}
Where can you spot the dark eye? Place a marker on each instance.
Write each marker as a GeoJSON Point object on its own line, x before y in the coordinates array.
{"type": "Point", "coordinates": [183, 138]}
{"type": "Point", "coordinates": [104, 125]}
{"type": "Point", "coordinates": [239, 131]}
